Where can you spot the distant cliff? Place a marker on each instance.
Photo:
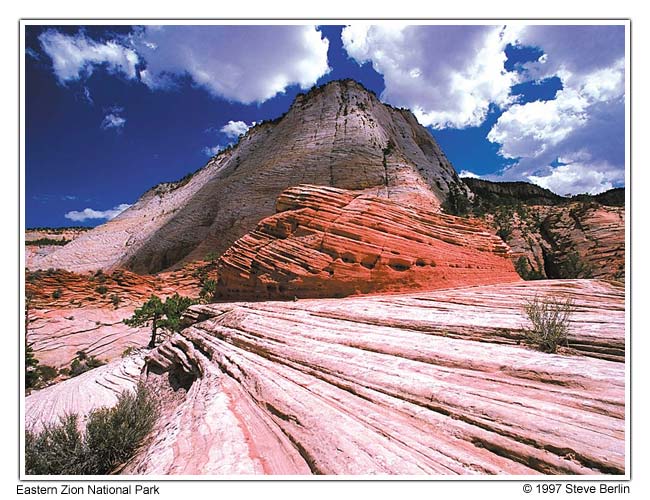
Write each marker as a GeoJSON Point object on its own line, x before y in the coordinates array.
{"type": "Point", "coordinates": [553, 236]}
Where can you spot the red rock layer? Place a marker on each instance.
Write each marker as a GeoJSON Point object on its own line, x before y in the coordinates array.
{"type": "Point", "coordinates": [70, 312]}
{"type": "Point", "coordinates": [328, 242]}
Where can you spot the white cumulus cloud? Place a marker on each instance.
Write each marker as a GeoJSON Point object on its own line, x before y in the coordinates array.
{"type": "Point", "coordinates": [233, 129]}
{"type": "Point", "coordinates": [447, 75]}
{"type": "Point", "coordinates": [575, 142]}
{"type": "Point", "coordinates": [576, 178]}
{"type": "Point", "coordinates": [90, 213]}
{"type": "Point", "coordinates": [212, 150]}
{"type": "Point", "coordinates": [239, 63]}
{"type": "Point", "coordinates": [76, 56]}
{"type": "Point", "coordinates": [528, 130]}
{"type": "Point", "coordinates": [468, 173]}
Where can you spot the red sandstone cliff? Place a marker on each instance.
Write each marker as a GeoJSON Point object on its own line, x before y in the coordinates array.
{"type": "Point", "coordinates": [327, 242]}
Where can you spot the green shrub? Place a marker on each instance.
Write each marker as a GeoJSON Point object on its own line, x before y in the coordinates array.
{"type": "Point", "coordinates": [101, 289]}
{"type": "Point", "coordinates": [31, 367]}
{"type": "Point", "coordinates": [115, 299]}
{"type": "Point", "coordinates": [526, 271]}
{"type": "Point", "coordinates": [456, 202]}
{"type": "Point", "coordinates": [128, 351]}
{"type": "Point", "coordinates": [550, 317]}
{"type": "Point", "coordinates": [118, 277]}
{"type": "Point", "coordinates": [82, 363]}
{"type": "Point", "coordinates": [56, 294]}
{"type": "Point", "coordinates": [111, 438]}
{"type": "Point", "coordinates": [34, 277]}
{"type": "Point", "coordinates": [208, 290]}
{"type": "Point", "coordinates": [113, 434]}
{"type": "Point", "coordinates": [503, 222]}
{"type": "Point", "coordinates": [574, 267]}
{"type": "Point", "coordinates": [57, 449]}
{"type": "Point", "coordinates": [47, 241]}
{"type": "Point", "coordinates": [212, 257]}
{"type": "Point", "coordinates": [47, 372]}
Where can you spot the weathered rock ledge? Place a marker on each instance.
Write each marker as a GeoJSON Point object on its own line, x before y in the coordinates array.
{"type": "Point", "coordinates": [328, 242]}
{"type": "Point", "coordinates": [82, 394]}
{"type": "Point", "coordinates": [433, 383]}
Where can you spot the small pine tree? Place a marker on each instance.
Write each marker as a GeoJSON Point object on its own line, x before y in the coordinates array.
{"type": "Point", "coordinates": [165, 315]}
{"type": "Point", "coordinates": [174, 307]}
{"type": "Point", "coordinates": [31, 367]}
{"type": "Point", "coordinates": [150, 312]}
{"type": "Point", "coordinates": [208, 290]}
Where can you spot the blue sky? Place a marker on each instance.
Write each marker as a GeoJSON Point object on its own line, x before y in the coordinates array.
{"type": "Point", "coordinates": [113, 110]}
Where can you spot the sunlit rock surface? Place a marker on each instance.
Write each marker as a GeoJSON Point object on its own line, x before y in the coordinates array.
{"type": "Point", "coordinates": [436, 383]}
{"type": "Point", "coordinates": [328, 242]}
{"type": "Point", "coordinates": [337, 135]}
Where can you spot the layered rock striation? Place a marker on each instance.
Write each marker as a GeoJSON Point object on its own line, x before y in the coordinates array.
{"type": "Point", "coordinates": [70, 312]}
{"type": "Point", "coordinates": [436, 383]}
{"type": "Point", "coordinates": [337, 135]}
{"type": "Point", "coordinates": [578, 240]}
{"type": "Point", "coordinates": [327, 242]}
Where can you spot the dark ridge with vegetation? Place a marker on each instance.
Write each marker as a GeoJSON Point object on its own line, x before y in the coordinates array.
{"type": "Point", "coordinates": [490, 194]}
{"type": "Point", "coordinates": [614, 197]}
{"type": "Point", "coordinates": [47, 241]}
{"type": "Point", "coordinates": [111, 438]}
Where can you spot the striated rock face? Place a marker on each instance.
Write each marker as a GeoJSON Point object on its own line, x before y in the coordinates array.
{"type": "Point", "coordinates": [593, 233]}
{"type": "Point", "coordinates": [432, 383]}
{"type": "Point", "coordinates": [84, 393]}
{"type": "Point", "coordinates": [338, 135]}
{"type": "Point", "coordinates": [579, 240]}
{"type": "Point", "coordinates": [71, 312]}
{"type": "Point", "coordinates": [327, 242]}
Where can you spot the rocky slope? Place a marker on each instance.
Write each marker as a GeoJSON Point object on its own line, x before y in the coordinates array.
{"type": "Point", "coordinates": [577, 240]}
{"type": "Point", "coordinates": [40, 242]}
{"type": "Point", "coordinates": [428, 383]}
{"type": "Point", "coordinates": [80, 395]}
{"type": "Point", "coordinates": [327, 242]}
{"type": "Point", "coordinates": [553, 236]}
{"type": "Point", "coordinates": [70, 312]}
{"type": "Point", "coordinates": [436, 383]}
{"type": "Point", "coordinates": [337, 135]}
